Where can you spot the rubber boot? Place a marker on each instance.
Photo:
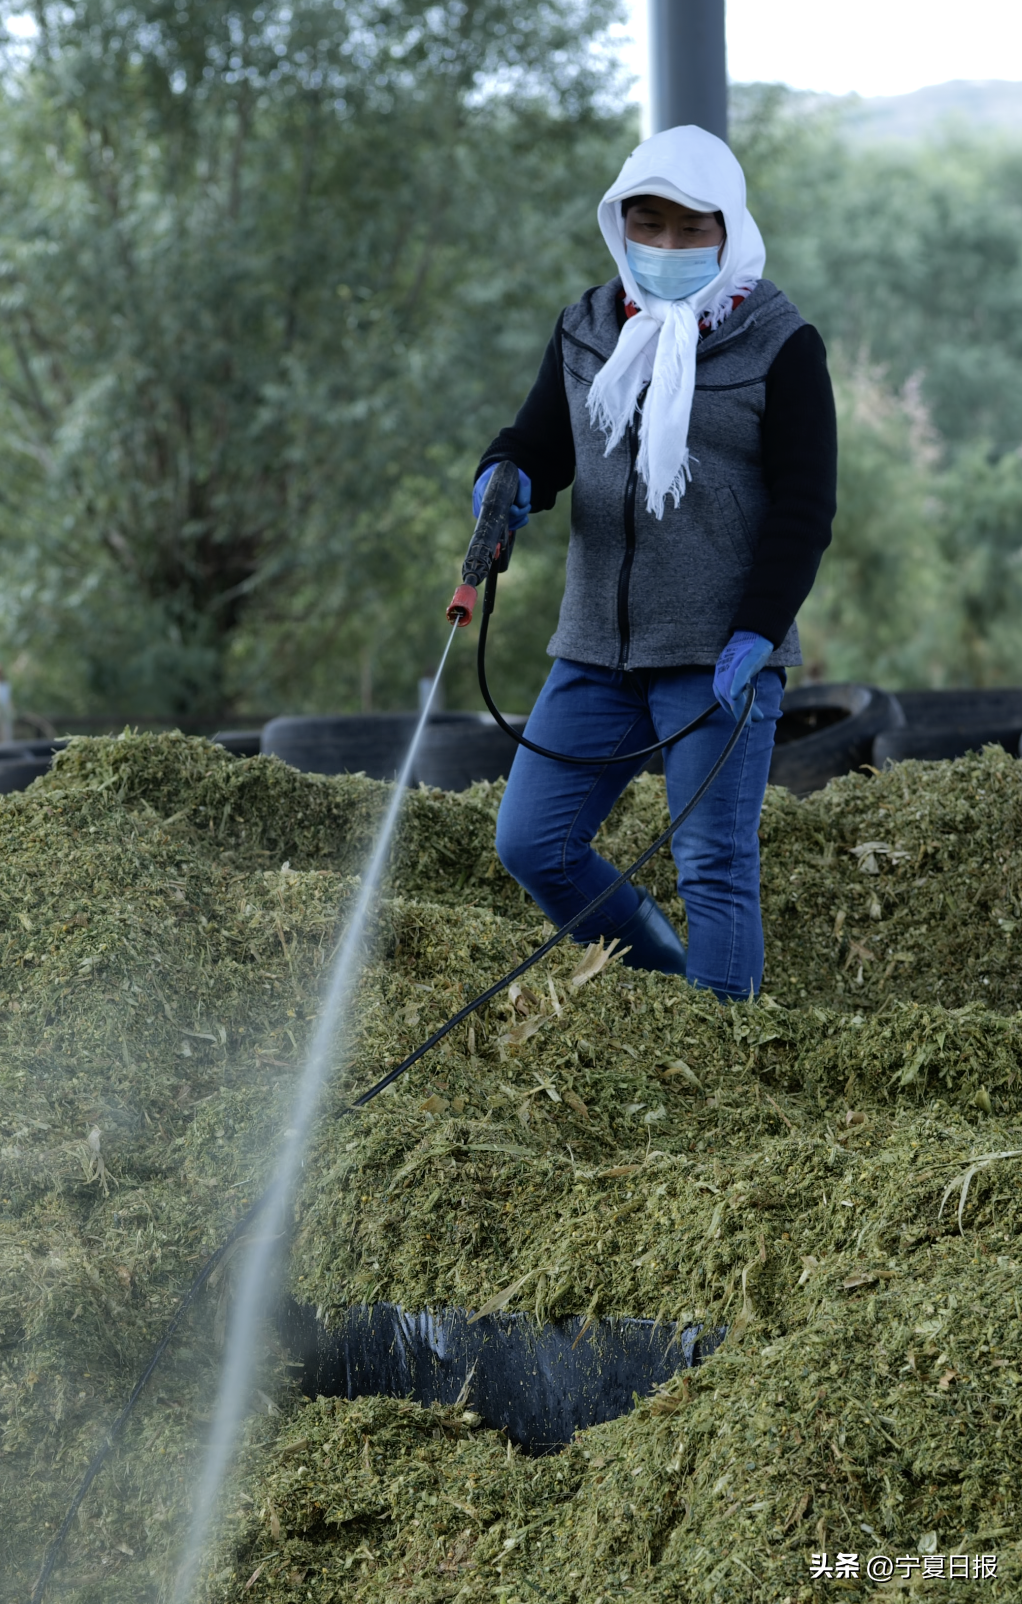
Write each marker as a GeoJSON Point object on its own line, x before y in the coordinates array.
{"type": "Point", "coordinates": [653, 939]}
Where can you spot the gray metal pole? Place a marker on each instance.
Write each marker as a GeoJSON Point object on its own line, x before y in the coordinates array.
{"type": "Point", "coordinates": [688, 64]}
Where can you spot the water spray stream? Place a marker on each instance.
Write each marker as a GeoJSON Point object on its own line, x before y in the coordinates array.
{"type": "Point", "coordinates": [258, 1280]}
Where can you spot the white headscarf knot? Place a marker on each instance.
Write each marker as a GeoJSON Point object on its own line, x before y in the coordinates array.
{"type": "Point", "coordinates": [657, 347]}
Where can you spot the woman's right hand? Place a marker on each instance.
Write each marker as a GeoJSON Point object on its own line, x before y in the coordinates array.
{"type": "Point", "coordinates": [522, 506]}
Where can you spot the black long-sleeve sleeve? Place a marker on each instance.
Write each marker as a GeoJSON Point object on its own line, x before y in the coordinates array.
{"type": "Point", "coordinates": [540, 441]}
{"type": "Point", "coordinates": [800, 470]}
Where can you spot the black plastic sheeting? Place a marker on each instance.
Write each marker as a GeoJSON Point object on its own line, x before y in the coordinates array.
{"type": "Point", "coordinates": [540, 1384]}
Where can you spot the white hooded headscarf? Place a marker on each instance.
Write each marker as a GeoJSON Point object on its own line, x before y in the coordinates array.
{"type": "Point", "coordinates": [657, 347]}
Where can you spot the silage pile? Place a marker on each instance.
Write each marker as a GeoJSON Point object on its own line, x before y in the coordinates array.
{"type": "Point", "coordinates": [604, 1142]}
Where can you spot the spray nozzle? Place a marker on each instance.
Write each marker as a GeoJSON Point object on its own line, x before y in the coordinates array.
{"type": "Point", "coordinates": [462, 605]}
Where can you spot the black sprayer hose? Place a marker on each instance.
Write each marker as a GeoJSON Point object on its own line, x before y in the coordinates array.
{"type": "Point", "coordinates": [445, 1029]}
{"type": "Point", "coordinates": [564, 757]}
{"type": "Point", "coordinates": [566, 929]}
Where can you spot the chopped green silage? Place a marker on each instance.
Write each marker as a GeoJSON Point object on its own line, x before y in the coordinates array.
{"type": "Point", "coordinates": [622, 1146]}
{"type": "Point", "coordinates": [907, 884]}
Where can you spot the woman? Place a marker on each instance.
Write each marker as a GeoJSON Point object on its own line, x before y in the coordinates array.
{"type": "Point", "coordinates": [689, 406]}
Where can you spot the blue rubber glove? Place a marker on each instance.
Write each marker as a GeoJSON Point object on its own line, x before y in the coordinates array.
{"type": "Point", "coordinates": [737, 665]}
{"type": "Point", "coordinates": [522, 507]}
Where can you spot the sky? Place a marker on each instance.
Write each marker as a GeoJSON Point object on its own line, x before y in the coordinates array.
{"type": "Point", "coordinates": [869, 47]}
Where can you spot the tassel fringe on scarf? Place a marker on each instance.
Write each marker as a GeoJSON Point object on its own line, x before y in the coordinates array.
{"type": "Point", "coordinates": [659, 359]}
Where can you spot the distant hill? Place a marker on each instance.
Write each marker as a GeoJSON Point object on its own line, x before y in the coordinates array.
{"type": "Point", "coordinates": [986, 105]}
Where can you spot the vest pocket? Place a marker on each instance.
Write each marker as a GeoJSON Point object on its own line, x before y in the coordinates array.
{"type": "Point", "coordinates": [732, 521]}
{"type": "Point", "coordinates": [580, 378]}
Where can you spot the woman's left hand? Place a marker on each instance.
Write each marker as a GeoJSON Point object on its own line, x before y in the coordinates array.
{"type": "Point", "coordinates": [737, 665]}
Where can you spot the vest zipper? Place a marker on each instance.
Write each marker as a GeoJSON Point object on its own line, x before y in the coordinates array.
{"type": "Point", "coordinates": [624, 577]}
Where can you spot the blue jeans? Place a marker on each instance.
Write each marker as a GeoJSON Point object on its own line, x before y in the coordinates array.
{"type": "Point", "coordinates": [551, 811]}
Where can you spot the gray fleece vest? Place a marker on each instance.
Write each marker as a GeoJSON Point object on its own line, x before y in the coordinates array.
{"type": "Point", "coordinates": [643, 592]}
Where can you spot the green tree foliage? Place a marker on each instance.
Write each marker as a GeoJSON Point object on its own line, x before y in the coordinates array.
{"type": "Point", "coordinates": [877, 609]}
{"type": "Point", "coordinates": [270, 275]}
{"type": "Point", "coordinates": [910, 254]}
{"type": "Point", "coordinates": [909, 259]}
{"type": "Point", "coordinates": [981, 536]}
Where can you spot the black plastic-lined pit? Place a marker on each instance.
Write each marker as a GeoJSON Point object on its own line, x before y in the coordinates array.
{"type": "Point", "coordinates": [539, 1384]}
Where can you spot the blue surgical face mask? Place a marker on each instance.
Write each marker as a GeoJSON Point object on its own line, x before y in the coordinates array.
{"type": "Point", "coordinates": [673, 275]}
